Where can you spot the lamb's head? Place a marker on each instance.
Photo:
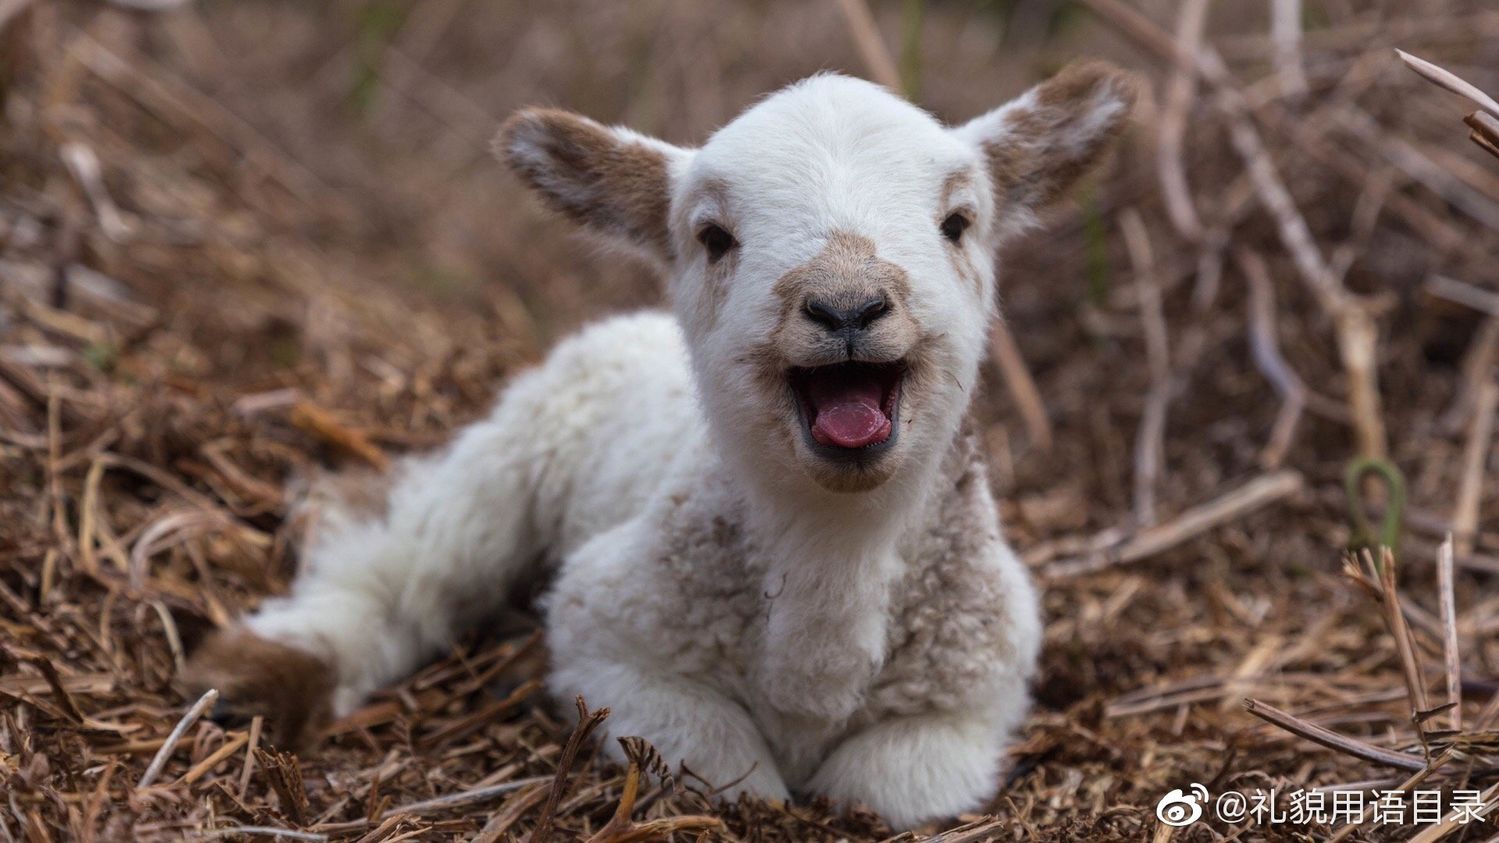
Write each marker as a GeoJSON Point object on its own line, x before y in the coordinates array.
{"type": "Point", "coordinates": [831, 252]}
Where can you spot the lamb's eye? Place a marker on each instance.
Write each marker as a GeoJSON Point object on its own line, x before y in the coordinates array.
{"type": "Point", "coordinates": [717, 241]}
{"type": "Point", "coordinates": [954, 226]}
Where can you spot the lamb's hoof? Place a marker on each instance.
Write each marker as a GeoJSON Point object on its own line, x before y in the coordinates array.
{"type": "Point", "coordinates": [291, 688]}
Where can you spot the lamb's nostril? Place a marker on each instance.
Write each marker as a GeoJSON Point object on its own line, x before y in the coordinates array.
{"type": "Point", "coordinates": [872, 310]}
{"type": "Point", "coordinates": [823, 314]}
{"type": "Point", "coordinates": [837, 319]}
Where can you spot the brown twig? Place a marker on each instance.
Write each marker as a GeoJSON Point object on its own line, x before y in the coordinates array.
{"type": "Point", "coordinates": [1479, 363]}
{"type": "Point", "coordinates": [871, 47]}
{"type": "Point", "coordinates": [1285, 33]}
{"type": "Point", "coordinates": [202, 768]}
{"type": "Point", "coordinates": [510, 814]}
{"type": "Point", "coordinates": [1150, 439]}
{"type": "Point", "coordinates": [1382, 582]}
{"type": "Point", "coordinates": [1257, 493]}
{"type": "Point", "coordinates": [621, 829]}
{"type": "Point", "coordinates": [285, 776]}
{"type": "Point", "coordinates": [265, 831]}
{"type": "Point", "coordinates": [1333, 740]}
{"type": "Point", "coordinates": [1484, 122]}
{"type": "Point", "coordinates": [1268, 359]}
{"type": "Point", "coordinates": [587, 722]}
{"type": "Point", "coordinates": [1451, 657]}
{"type": "Point", "coordinates": [1417, 165]}
{"type": "Point", "coordinates": [198, 709]}
{"type": "Point", "coordinates": [1451, 81]}
{"type": "Point", "coordinates": [1474, 467]}
{"type": "Point", "coordinates": [321, 423]}
{"type": "Point", "coordinates": [1485, 131]}
{"type": "Point", "coordinates": [1005, 353]}
{"type": "Point", "coordinates": [60, 691]}
{"type": "Point", "coordinates": [257, 725]}
{"type": "Point", "coordinates": [467, 797]}
{"type": "Point", "coordinates": [1463, 293]}
{"type": "Point", "coordinates": [974, 832]}
{"type": "Point", "coordinates": [1181, 91]}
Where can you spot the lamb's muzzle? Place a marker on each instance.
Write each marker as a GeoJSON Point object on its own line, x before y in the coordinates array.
{"type": "Point", "coordinates": [786, 569]}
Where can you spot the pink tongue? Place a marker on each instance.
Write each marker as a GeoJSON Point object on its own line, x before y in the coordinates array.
{"type": "Point", "coordinates": [848, 414]}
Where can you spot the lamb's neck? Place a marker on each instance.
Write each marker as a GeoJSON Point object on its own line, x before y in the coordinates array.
{"type": "Point", "coordinates": [829, 568]}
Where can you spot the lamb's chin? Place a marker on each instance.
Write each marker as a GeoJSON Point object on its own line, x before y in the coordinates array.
{"type": "Point", "coordinates": [844, 476]}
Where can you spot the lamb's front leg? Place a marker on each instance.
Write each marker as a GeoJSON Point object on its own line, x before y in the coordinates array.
{"type": "Point", "coordinates": [918, 768]}
{"type": "Point", "coordinates": [686, 720]}
{"type": "Point", "coordinates": [639, 621]}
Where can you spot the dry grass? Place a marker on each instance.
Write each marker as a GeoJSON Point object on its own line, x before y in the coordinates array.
{"type": "Point", "coordinates": [243, 243]}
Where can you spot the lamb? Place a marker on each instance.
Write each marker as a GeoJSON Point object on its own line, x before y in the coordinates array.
{"type": "Point", "coordinates": [771, 542]}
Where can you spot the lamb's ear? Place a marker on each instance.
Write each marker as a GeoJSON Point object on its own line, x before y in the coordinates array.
{"type": "Point", "coordinates": [1042, 142]}
{"type": "Point", "coordinates": [612, 181]}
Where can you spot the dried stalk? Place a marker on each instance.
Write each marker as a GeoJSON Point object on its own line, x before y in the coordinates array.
{"type": "Point", "coordinates": [1381, 582]}
{"type": "Point", "coordinates": [1484, 122]}
{"type": "Point", "coordinates": [265, 831]}
{"type": "Point", "coordinates": [1450, 653]}
{"type": "Point", "coordinates": [1451, 81]}
{"type": "Point", "coordinates": [1463, 293]}
{"type": "Point", "coordinates": [202, 768]}
{"type": "Point", "coordinates": [321, 423]}
{"type": "Point", "coordinates": [871, 47]}
{"type": "Point", "coordinates": [1257, 493]}
{"type": "Point", "coordinates": [1405, 643]}
{"type": "Point", "coordinates": [1333, 740]}
{"type": "Point", "coordinates": [1475, 465]}
{"type": "Point", "coordinates": [198, 709]}
{"type": "Point", "coordinates": [1485, 132]}
{"type": "Point", "coordinates": [1479, 363]}
{"type": "Point", "coordinates": [1268, 359]}
{"type": "Point", "coordinates": [1181, 92]}
{"type": "Point", "coordinates": [587, 722]}
{"type": "Point", "coordinates": [1005, 353]}
{"type": "Point", "coordinates": [257, 725]}
{"type": "Point", "coordinates": [1285, 32]}
{"type": "Point", "coordinates": [510, 814]}
{"type": "Point", "coordinates": [1150, 440]}
{"type": "Point", "coordinates": [468, 797]}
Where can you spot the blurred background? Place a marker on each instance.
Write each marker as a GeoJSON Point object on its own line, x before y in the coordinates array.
{"type": "Point", "coordinates": [242, 242]}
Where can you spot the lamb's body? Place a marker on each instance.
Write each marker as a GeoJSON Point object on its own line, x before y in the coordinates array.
{"type": "Point", "coordinates": [598, 466]}
{"type": "Point", "coordinates": [668, 615]}
{"type": "Point", "coordinates": [773, 551]}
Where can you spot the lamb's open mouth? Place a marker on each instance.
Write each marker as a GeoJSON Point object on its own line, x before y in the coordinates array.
{"type": "Point", "coordinates": [849, 409]}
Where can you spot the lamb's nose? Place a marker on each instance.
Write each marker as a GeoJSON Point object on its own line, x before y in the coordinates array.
{"type": "Point", "coordinates": [841, 319]}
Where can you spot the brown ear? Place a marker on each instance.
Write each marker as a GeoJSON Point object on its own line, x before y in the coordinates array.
{"type": "Point", "coordinates": [611, 181]}
{"type": "Point", "coordinates": [1041, 143]}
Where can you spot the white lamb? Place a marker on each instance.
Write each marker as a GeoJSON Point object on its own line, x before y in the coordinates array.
{"type": "Point", "coordinates": [772, 546]}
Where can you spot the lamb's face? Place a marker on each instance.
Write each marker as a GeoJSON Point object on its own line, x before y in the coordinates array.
{"type": "Point", "coordinates": [831, 253]}
{"type": "Point", "coordinates": [832, 265]}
